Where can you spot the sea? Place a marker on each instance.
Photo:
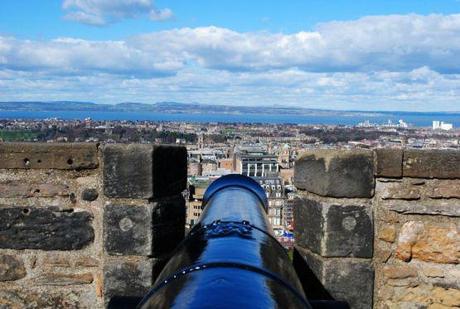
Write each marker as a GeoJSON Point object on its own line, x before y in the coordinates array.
{"type": "Point", "coordinates": [348, 119]}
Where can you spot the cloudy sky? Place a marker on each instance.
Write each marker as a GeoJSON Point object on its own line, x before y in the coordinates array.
{"type": "Point", "coordinates": [361, 55]}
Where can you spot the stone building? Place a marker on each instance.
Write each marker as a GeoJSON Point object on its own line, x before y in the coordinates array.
{"type": "Point", "coordinates": [274, 189]}
{"type": "Point", "coordinates": [196, 188]}
{"type": "Point", "coordinates": [256, 164]}
{"type": "Point", "coordinates": [194, 167]}
{"type": "Point", "coordinates": [208, 167]}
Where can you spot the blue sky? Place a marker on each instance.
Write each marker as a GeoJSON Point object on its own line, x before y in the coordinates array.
{"type": "Point", "coordinates": [370, 55]}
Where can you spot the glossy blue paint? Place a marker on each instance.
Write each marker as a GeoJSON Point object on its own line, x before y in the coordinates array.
{"type": "Point", "coordinates": [230, 259]}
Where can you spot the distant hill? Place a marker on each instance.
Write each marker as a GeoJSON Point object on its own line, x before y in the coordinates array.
{"type": "Point", "coordinates": [185, 108]}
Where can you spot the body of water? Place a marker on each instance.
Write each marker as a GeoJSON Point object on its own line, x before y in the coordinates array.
{"type": "Point", "coordinates": [419, 120]}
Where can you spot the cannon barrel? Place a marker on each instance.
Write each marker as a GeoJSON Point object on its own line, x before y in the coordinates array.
{"type": "Point", "coordinates": [230, 258]}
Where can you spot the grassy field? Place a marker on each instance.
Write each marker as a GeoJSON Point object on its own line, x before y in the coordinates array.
{"type": "Point", "coordinates": [17, 136]}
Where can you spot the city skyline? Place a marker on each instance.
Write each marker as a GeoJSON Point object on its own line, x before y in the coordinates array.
{"type": "Point", "coordinates": [383, 55]}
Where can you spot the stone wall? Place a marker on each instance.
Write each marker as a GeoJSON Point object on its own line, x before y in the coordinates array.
{"type": "Point", "coordinates": [379, 228]}
{"type": "Point", "coordinates": [82, 223]}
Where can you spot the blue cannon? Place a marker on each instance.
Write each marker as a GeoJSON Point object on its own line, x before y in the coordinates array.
{"type": "Point", "coordinates": [230, 259]}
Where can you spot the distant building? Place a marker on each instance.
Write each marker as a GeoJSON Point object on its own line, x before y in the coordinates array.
{"type": "Point", "coordinates": [196, 187]}
{"type": "Point", "coordinates": [257, 165]}
{"type": "Point", "coordinates": [208, 166]}
{"type": "Point", "coordinates": [274, 189]}
{"type": "Point", "coordinates": [254, 161]}
{"type": "Point", "coordinates": [441, 125]}
{"type": "Point", "coordinates": [226, 164]}
{"type": "Point", "coordinates": [194, 167]}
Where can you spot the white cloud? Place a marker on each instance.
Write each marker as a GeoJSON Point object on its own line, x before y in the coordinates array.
{"type": "Point", "coordinates": [102, 12]}
{"type": "Point", "coordinates": [384, 62]}
{"type": "Point", "coordinates": [160, 14]}
{"type": "Point", "coordinates": [379, 43]}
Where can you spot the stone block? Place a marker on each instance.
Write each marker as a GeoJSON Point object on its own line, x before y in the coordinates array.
{"type": "Point", "coordinates": [402, 191]}
{"type": "Point", "coordinates": [427, 207]}
{"type": "Point", "coordinates": [11, 268]}
{"type": "Point", "coordinates": [128, 230]}
{"type": "Point", "coordinates": [47, 228]}
{"type": "Point", "coordinates": [128, 171]}
{"type": "Point", "coordinates": [152, 229]}
{"type": "Point", "coordinates": [15, 189]}
{"type": "Point", "coordinates": [399, 272]}
{"type": "Point", "coordinates": [37, 297]}
{"type": "Point", "coordinates": [89, 195]}
{"type": "Point", "coordinates": [438, 243]}
{"type": "Point", "coordinates": [144, 171]}
{"type": "Point", "coordinates": [333, 230]}
{"type": "Point", "coordinates": [445, 189]}
{"type": "Point", "coordinates": [432, 163]}
{"type": "Point", "coordinates": [336, 173]}
{"type": "Point", "coordinates": [128, 277]}
{"type": "Point", "coordinates": [48, 156]}
{"type": "Point", "coordinates": [350, 280]}
{"type": "Point", "coordinates": [388, 162]}
{"type": "Point", "coordinates": [63, 279]}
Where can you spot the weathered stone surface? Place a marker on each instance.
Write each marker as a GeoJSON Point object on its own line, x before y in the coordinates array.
{"type": "Point", "coordinates": [429, 242]}
{"type": "Point", "coordinates": [424, 296]}
{"type": "Point", "coordinates": [445, 189]}
{"type": "Point", "coordinates": [387, 233]}
{"type": "Point", "coordinates": [89, 195]}
{"type": "Point", "coordinates": [15, 189]}
{"type": "Point", "coordinates": [333, 230]}
{"type": "Point", "coordinates": [345, 279]}
{"type": "Point", "coordinates": [443, 208]}
{"type": "Point", "coordinates": [48, 228]}
{"type": "Point", "coordinates": [433, 272]}
{"type": "Point", "coordinates": [433, 163]}
{"type": "Point", "coordinates": [336, 173]}
{"type": "Point", "coordinates": [388, 162]}
{"type": "Point", "coordinates": [309, 224]}
{"type": "Point", "coordinates": [401, 192]}
{"type": "Point", "coordinates": [349, 231]}
{"type": "Point", "coordinates": [86, 261]}
{"type": "Point", "coordinates": [418, 189]}
{"type": "Point", "coordinates": [128, 230]}
{"type": "Point", "coordinates": [61, 279]}
{"type": "Point", "coordinates": [144, 171]}
{"type": "Point", "coordinates": [54, 260]}
{"type": "Point", "coordinates": [128, 171]}
{"type": "Point", "coordinates": [152, 230]}
{"type": "Point", "coordinates": [36, 298]}
{"type": "Point", "coordinates": [11, 268]}
{"type": "Point", "coordinates": [399, 272]}
{"type": "Point", "coordinates": [46, 156]}
{"type": "Point", "coordinates": [128, 277]}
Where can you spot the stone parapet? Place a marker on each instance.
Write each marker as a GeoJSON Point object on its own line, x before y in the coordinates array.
{"type": "Point", "coordinates": [343, 279]}
{"type": "Point", "coordinates": [336, 173]}
{"type": "Point", "coordinates": [413, 203]}
{"type": "Point", "coordinates": [83, 223]}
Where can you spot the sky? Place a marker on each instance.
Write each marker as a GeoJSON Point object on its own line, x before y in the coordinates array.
{"type": "Point", "coordinates": [352, 55]}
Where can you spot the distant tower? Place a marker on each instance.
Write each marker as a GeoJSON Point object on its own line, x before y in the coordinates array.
{"type": "Point", "coordinates": [200, 141]}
